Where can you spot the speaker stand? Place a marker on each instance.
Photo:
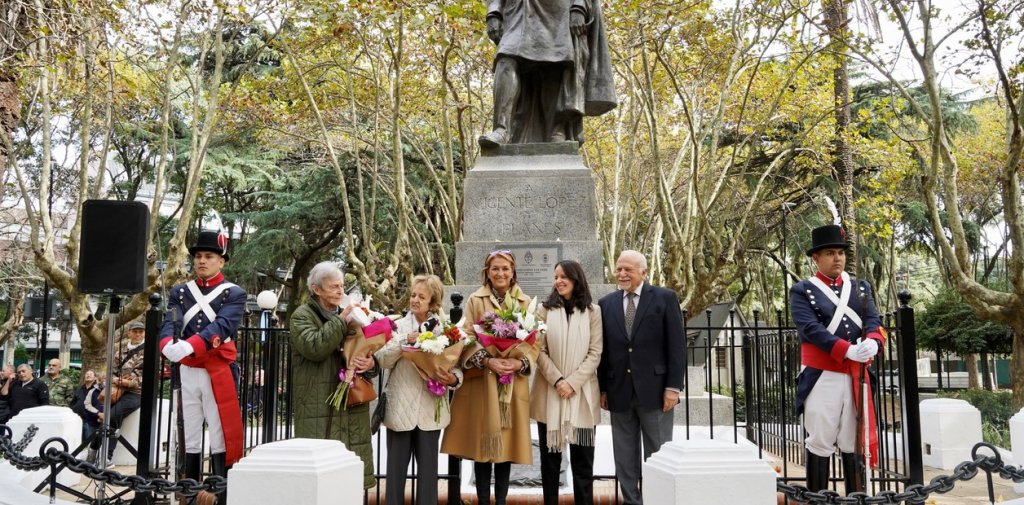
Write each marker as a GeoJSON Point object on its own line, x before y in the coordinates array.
{"type": "Point", "coordinates": [113, 314]}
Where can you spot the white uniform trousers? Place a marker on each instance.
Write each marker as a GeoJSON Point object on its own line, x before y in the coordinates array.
{"type": "Point", "coordinates": [830, 415]}
{"type": "Point", "coordinates": [198, 404]}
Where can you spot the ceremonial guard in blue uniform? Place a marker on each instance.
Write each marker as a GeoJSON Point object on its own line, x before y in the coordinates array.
{"type": "Point", "coordinates": [840, 331]}
{"type": "Point", "coordinates": [211, 310]}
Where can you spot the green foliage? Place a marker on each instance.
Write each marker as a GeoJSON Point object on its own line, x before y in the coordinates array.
{"type": "Point", "coordinates": [20, 353]}
{"type": "Point", "coordinates": [949, 323]}
{"type": "Point", "coordinates": [996, 409]}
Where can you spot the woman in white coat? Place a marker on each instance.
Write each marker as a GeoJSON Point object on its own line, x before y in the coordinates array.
{"type": "Point", "coordinates": [566, 399]}
{"type": "Point", "coordinates": [409, 417]}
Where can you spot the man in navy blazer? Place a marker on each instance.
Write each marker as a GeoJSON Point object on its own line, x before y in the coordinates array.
{"type": "Point", "coordinates": [642, 367]}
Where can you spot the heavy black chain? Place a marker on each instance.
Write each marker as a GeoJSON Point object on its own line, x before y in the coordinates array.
{"type": "Point", "coordinates": [51, 456]}
{"type": "Point", "coordinates": [917, 493]}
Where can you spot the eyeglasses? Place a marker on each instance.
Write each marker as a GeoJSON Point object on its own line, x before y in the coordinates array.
{"type": "Point", "coordinates": [500, 251]}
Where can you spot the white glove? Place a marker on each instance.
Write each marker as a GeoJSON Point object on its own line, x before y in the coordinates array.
{"type": "Point", "coordinates": [870, 345]}
{"type": "Point", "coordinates": [176, 351]}
{"type": "Point", "coordinates": [854, 353]}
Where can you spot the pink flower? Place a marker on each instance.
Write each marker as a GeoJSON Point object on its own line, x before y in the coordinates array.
{"type": "Point", "coordinates": [436, 388]}
{"type": "Point", "coordinates": [505, 379]}
{"type": "Point", "coordinates": [341, 374]}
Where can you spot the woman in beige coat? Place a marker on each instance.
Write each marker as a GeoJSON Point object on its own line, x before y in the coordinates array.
{"type": "Point", "coordinates": [412, 428]}
{"type": "Point", "coordinates": [476, 431]}
{"type": "Point", "coordinates": [566, 399]}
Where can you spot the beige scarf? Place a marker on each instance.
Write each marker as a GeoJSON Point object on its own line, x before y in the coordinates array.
{"type": "Point", "coordinates": [569, 421]}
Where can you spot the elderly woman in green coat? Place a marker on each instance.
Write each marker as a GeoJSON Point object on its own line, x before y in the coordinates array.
{"type": "Point", "coordinates": [318, 329]}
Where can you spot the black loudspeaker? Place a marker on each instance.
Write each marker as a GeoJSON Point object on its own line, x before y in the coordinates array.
{"type": "Point", "coordinates": [112, 258]}
{"type": "Point", "coordinates": [34, 307]}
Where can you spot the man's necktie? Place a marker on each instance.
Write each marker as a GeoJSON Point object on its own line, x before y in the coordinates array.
{"type": "Point", "coordinates": [630, 312]}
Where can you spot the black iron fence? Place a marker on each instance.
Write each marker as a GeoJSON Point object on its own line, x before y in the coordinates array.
{"type": "Point", "coordinates": [740, 386]}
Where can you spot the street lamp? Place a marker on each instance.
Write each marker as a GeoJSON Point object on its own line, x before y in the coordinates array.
{"type": "Point", "coordinates": [267, 301]}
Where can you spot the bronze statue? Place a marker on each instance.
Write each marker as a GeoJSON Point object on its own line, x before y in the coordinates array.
{"type": "Point", "coordinates": [551, 69]}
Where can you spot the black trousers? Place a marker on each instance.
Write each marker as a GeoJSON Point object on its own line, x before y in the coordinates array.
{"type": "Point", "coordinates": [129, 402]}
{"type": "Point", "coordinates": [402, 445]}
{"type": "Point", "coordinates": [581, 459]}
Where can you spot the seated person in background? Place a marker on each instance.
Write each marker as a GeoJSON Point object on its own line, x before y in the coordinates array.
{"type": "Point", "coordinates": [127, 377]}
{"type": "Point", "coordinates": [85, 394]}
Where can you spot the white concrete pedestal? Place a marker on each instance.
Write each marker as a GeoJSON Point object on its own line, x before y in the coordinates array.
{"type": "Point", "coordinates": [52, 422]}
{"type": "Point", "coordinates": [708, 471]}
{"type": "Point", "coordinates": [949, 430]}
{"type": "Point", "coordinates": [1017, 444]}
{"type": "Point", "coordinates": [300, 470]}
{"type": "Point", "coordinates": [130, 432]}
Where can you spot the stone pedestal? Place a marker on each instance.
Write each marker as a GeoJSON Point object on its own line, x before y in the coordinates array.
{"type": "Point", "coordinates": [708, 471]}
{"type": "Point", "coordinates": [1017, 444]}
{"type": "Point", "coordinates": [949, 429]}
{"type": "Point", "coordinates": [130, 431]}
{"type": "Point", "coordinates": [52, 422]}
{"type": "Point", "coordinates": [538, 201]}
{"type": "Point", "coordinates": [300, 470]}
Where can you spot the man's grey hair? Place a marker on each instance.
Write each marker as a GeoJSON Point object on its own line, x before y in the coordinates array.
{"type": "Point", "coordinates": [25, 365]}
{"type": "Point", "coordinates": [635, 256]}
{"type": "Point", "coordinates": [324, 271]}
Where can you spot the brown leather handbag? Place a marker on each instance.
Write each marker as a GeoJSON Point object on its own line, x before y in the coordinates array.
{"type": "Point", "coordinates": [360, 392]}
{"type": "Point", "coordinates": [115, 393]}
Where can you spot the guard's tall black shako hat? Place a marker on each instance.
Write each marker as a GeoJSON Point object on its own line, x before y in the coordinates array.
{"type": "Point", "coordinates": [827, 237]}
{"type": "Point", "coordinates": [210, 241]}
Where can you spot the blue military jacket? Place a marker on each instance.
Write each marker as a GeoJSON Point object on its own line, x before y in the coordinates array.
{"type": "Point", "coordinates": [814, 304]}
{"type": "Point", "coordinates": [226, 308]}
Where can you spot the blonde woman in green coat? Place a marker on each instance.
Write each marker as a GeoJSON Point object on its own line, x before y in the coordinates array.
{"type": "Point", "coordinates": [318, 329]}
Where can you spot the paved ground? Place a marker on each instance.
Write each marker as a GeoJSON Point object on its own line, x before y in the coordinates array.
{"type": "Point", "coordinates": [972, 492]}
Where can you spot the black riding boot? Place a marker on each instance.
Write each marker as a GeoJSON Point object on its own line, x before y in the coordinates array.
{"type": "Point", "coordinates": [817, 472]}
{"type": "Point", "coordinates": [193, 466]}
{"type": "Point", "coordinates": [219, 468]}
{"type": "Point", "coordinates": [853, 473]}
{"type": "Point", "coordinates": [483, 482]}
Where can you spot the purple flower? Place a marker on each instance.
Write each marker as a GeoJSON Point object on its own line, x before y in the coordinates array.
{"type": "Point", "coordinates": [341, 374]}
{"type": "Point", "coordinates": [505, 379]}
{"type": "Point", "coordinates": [436, 388]}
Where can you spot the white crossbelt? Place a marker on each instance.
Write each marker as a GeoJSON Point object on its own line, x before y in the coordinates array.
{"type": "Point", "coordinates": [842, 302]}
{"type": "Point", "coordinates": [203, 301]}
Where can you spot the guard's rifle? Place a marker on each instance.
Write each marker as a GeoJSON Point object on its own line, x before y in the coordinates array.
{"type": "Point", "coordinates": [862, 448]}
{"type": "Point", "coordinates": [179, 424]}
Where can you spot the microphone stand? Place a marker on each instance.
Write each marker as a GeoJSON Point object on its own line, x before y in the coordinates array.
{"type": "Point", "coordinates": [112, 316]}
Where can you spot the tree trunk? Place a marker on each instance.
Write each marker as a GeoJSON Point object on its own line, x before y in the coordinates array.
{"type": "Point", "coordinates": [986, 373]}
{"type": "Point", "coordinates": [836, 20]}
{"type": "Point", "coordinates": [1017, 364]}
{"type": "Point", "coordinates": [971, 360]}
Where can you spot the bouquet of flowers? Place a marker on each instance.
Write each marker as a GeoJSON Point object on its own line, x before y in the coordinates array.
{"type": "Point", "coordinates": [373, 331]}
{"type": "Point", "coordinates": [437, 349]}
{"type": "Point", "coordinates": [509, 333]}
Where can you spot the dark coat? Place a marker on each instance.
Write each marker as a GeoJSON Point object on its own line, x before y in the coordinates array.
{"type": "Point", "coordinates": [316, 338]}
{"type": "Point", "coordinates": [653, 359]}
{"type": "Point", "coordinates": [25, 395]}
{"type": "Point", "coordinates": [812, 312]}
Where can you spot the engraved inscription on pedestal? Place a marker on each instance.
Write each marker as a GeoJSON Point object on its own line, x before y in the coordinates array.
{"type": "Point", "coordinates": [533, 211]}
{"type": "Point", "coordinates": [535, 266]}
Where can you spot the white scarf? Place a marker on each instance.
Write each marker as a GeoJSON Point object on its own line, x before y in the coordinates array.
{"type": "Point", "coordinates": [569, 421]}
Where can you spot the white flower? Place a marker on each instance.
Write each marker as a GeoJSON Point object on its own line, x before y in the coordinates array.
{"type": "Point", "coordinates": [478, 329]}
{"type": "Point", "coordinates": [435, 345]}
{"type": "Point", "coordinates": [521, 334]}
{"type": "Point", "coordinates": [530, 321]}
